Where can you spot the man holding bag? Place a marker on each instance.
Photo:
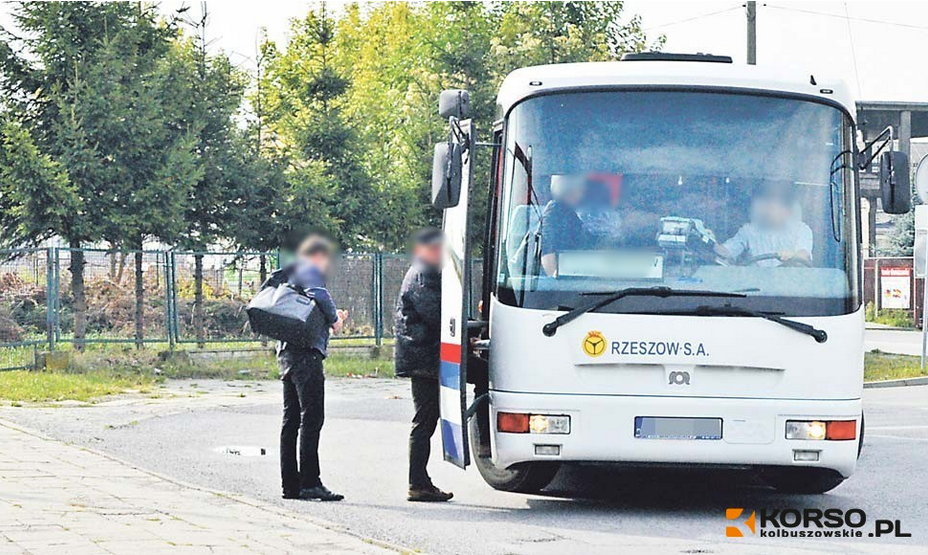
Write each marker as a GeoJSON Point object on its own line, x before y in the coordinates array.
{"type": "Point", "coordinates": [303, 379]}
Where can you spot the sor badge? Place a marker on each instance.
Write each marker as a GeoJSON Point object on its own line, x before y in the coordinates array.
{"type": "Point", "coordinates": [594, 344]}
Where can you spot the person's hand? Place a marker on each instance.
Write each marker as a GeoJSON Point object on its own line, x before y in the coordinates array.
{"type": "Point", "coordinates": [785, 255]}
{"type": "Point", "coordinates": [721, 250]}
{"type": "Point", "coordinates": [340, 323]}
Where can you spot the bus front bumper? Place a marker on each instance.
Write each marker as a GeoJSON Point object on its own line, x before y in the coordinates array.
{"type": "Point", "coordinates": [602, 429]}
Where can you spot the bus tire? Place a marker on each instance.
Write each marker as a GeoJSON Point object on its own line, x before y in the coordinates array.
{"type": "Point", "coordinates": [802, 480]}
{"type": "Point", "coordinates": [519, 478]}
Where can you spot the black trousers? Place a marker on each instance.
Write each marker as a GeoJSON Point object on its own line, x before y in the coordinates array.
{"type": "Point", "coordinates": [425, 400]}
{"type": "Point", "coordinates": [304, 413]}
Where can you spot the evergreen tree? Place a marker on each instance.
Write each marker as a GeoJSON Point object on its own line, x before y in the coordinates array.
{"type": "Point", "coordinates": [399, 56]}
{"type": "Point", "coordinates": [205, 107]}
{"type": "Point", "coordinates": [306, 94]}
{"type": "Point", "coordinates": [35, 195]}
{"type": "Point", "coordinates": [83, 83]}
{"type": "Point", "coordinates": [902, 237]}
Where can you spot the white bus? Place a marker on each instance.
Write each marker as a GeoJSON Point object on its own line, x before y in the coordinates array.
{"type": "Point", "coordinates": [671, 271]}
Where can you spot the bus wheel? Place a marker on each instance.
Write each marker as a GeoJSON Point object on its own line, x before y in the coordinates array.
{"type": "Point", "coordinates": [521, 478]}
{"type": "Point", "coordinates": [802, 480]}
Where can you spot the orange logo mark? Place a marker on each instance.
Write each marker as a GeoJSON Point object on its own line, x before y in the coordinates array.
{"type": "Point", "coordinates": [734, 531]}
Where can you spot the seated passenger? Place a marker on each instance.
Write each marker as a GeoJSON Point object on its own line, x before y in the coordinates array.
{"type": "Point", "coordinates": [561, 228]}
{"type": "Point", "coordinates": [775, 228]}
{"type": "Point", "coordinates": [599, 213]}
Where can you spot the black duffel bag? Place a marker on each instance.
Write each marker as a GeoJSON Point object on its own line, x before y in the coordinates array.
{"type": "Point", "coordinates": [282, 311]}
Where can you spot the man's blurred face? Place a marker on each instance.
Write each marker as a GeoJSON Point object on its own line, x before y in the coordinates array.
{"type": "Point", "coordinates": [574, 197]}
{"type": "Point", "coordinates": [772, 211]}
{"type": "Point", "coordinates": [321, 261]}
{"type": "Point", "coordinates": [428, 253]}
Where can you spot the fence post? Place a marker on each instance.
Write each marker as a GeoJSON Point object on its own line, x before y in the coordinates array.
{"type": "Point", "coordinates": [57, 293]}
{"type": "Point", "coordinates": [175, 323]}
{"type": "Point", "coordinates": [50, 297]}
{"type": "Point", "coordinates": [168, 285]}
{"type": "Point", "coordinates": [380, 295]}
{"type": "Point", "coordinates": [139, 273]}
{"type": "Point", "coordinates": [876, 287]}
{"type": "Point", "coordinates": [376, 301]}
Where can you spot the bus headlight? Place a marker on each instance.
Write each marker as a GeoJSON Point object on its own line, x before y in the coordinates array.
{"type": "Point", "coordinates": [522, 423]}
{"type": "Point", "coordinates": [549, 424]}
{"type": "Point", "coordinates": [819, 430]}
{"type": "Point", "coordinates": [797, 429]}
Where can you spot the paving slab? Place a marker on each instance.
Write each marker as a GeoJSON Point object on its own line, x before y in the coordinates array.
{"type": "Point", "coordinates": [64, 499]}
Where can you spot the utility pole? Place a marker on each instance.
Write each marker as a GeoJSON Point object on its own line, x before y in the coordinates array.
{"type": "Point", "coordinates": [752, 32]}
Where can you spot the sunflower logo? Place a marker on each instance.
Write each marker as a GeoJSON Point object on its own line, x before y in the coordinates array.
{"type": "Point", "coordinates": [594, 344]}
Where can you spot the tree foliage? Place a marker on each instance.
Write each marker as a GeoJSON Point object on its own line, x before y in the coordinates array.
{"type": "Point", "coordinates": [36, 197]}
{"type": "Point", "coordinates": [362, 91]}
{"type": "Point", "coordinates": [120, 126]}
{"type": "Point", "coordinates": [85, 82]}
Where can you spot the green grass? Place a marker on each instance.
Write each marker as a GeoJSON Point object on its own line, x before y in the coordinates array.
{"type": "Point", "coordinates": [30, 386]}
{"type": "Point", "coordinates": [879, 366]}
{"type": "Point", "coordinates": [105, 343]}
{"type": "Point", "coordinates": [342, 365]}
{"type": "Point", "coordinates": [255, 365]}
{"type": "Point", "coordinates": [97, 373]}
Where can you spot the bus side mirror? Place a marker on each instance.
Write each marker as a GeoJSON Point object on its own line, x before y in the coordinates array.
{"type": "Point", "coordinates": [895, 186]}
{"type": "Point", "coordinates": [446, 175]}
{"type": "Point", "coordinates": [454, 103]}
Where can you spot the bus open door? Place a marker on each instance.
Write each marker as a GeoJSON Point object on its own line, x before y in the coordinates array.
{"type": "Point", "coordinates": [452, 172]}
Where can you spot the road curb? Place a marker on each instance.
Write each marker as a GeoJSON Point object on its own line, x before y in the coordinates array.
{"type": "Point", "coordinates": [236, 498]}
{"type": "Point", "coordinates": [889, 328]}
{"type": "Point", "coordinates": [897, 383]}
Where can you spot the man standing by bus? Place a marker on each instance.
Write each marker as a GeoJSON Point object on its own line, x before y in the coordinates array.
{"type": "Point", "coordinates": [418, 341]}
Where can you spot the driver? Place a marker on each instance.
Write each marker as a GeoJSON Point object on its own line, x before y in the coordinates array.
{"type": "Point", "coordinates": [774, 229]}
{"type": "Point", "coordinates": [561, 227]}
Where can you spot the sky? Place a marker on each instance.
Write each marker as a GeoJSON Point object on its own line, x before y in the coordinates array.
{"type": "Point", "coordinates": [874, 46]}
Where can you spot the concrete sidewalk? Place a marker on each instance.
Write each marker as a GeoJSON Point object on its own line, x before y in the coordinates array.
{"type": "Point", "coordinates": [61, 499]}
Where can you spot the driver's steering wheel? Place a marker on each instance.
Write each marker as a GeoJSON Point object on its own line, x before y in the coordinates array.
{"type": "Point", "coordinates": [791, 263]}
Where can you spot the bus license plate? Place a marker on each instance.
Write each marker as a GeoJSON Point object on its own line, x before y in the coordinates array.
{"type": "Point", "coordinates": [670, 427]}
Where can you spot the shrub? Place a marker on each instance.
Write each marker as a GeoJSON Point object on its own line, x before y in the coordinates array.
{"type": "Point", "coordinates": [22, 308]}
{"type": "Point", "coordinates": [10, 331]}
{"type": "Point", "coordinates": [894, 317]}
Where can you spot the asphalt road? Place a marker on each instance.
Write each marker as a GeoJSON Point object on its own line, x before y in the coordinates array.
{"type": "Point", "coordinates": [903, 342]}
{"type": "Point", "coordinates": [587, 510]}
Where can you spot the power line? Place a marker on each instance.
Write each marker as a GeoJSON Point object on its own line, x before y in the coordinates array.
{"type": "Point", "coordinates": [850, 36]}
{"type": "Point", "coordinates": [693, 18]}
{"type": "Point", "coordinates": [847, 17]}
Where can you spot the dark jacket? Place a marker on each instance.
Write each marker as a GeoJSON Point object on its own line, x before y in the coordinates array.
{"type": "Point", "coordinates": [418, 323]}
{"type": "Point", "coordinates": [311, 280]}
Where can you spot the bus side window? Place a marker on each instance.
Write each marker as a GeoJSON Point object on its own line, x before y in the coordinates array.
{"type": "Point", "coordinates": [490, 258]}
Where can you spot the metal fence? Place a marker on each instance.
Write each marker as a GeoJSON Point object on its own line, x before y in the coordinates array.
{"type": "Point", "coordinates": [38, 312]}
{"type": "Point", "coordinates": [25, 277]}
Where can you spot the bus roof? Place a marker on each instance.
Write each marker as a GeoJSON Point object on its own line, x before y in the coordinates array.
{"type": "Point", "coordinates": [528, 81]}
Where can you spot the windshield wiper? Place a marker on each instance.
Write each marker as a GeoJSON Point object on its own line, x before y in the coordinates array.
{"type": "Point", "coordinates": [819, 335]}
{"type": "Point", "coordinates": [663, 292]}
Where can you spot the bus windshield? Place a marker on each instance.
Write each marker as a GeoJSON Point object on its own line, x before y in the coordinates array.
{"type": "Point", "coordinates": [729, 192]}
